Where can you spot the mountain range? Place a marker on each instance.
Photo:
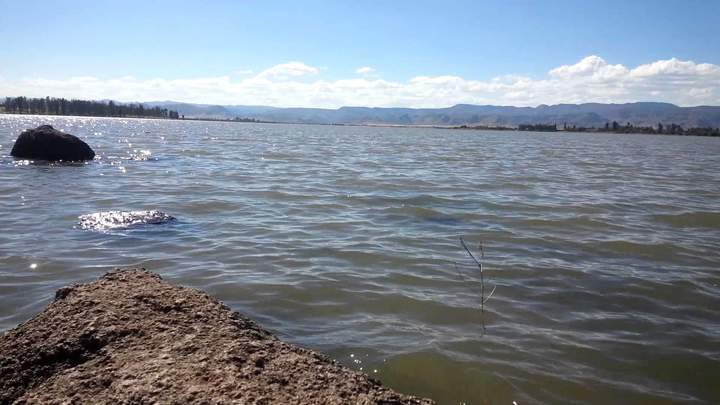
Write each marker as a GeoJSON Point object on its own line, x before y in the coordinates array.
{"type": "Point", "coordinates": [581, 115]}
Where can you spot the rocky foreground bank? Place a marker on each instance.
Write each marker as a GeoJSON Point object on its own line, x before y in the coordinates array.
{"type": "Point", "coordinates": [131, 337]}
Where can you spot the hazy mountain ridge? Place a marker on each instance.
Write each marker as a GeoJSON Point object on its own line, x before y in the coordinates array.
{"type": "Point", "coordinates": [586, 115]}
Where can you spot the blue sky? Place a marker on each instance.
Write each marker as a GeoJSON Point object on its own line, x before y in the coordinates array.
{"type": "Point", "coordinates": [399, 40]}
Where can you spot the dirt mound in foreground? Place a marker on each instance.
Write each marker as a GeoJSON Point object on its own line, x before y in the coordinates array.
{"type": "Point", "coordinates": [131, 337]}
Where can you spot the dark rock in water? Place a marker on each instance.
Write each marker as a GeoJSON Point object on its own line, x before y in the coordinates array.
{"type": "Point", "coordinates": [122, 219]}
{"type": "Point", "coordinates": [47, 143]}
{"type": "Point", "coordinates": [132, 338]}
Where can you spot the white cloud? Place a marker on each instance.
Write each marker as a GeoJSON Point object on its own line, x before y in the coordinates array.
{"type": "Point", "coordinates": [591, 79]}
{"type": "Point", "coordinates": [591, 66]}
{"type": "Point", "coordinates": [675, 67]}
{"type": "Point", "coordinates": [364, 70]}
{"type": "Point", "coordinates": [288, 70]}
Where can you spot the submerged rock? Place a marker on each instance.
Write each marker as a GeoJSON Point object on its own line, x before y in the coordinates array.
{"type": "Point", "coordinates": [108, 220]}
{"type": "Point", "coordinates": [131, 337]}
{"type": "Point", "coordinates": [47, 143]}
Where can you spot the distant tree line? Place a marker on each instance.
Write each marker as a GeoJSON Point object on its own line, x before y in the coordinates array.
{"type": "Point", "coordinates": [538, 127]}
{"type": "Point", "coordinates": [613, 127]}
{"type": "Point", "coordinates": [482, 127]}
{"type": "Point", "coordinates": [660, 129]}
{"type": "Point", "coordinates": [668, 129]}
{"type": "Point", "coordinates": [61, 106]}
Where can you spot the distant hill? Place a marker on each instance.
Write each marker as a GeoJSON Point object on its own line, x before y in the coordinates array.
{"type": "Point", "coordinates": [585, 115]}
{"type": "Point", "coordinates": [207, 110]}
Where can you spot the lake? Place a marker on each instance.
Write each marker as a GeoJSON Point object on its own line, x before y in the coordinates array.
{"type": "Point", "coordinates": [603, 249]}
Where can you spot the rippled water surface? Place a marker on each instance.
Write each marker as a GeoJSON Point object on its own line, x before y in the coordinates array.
{"type": "Point", "coordinates": [603, 248]}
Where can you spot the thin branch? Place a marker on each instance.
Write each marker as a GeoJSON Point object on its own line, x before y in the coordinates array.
{"type": "Point", "coordinates": [462, 242]}
{"type": "Point", "coordinates": [491, 293]}
{"type": "Point", "coordinates": [482, 278]}
{"type": "Point", "coordinates": [483, 300]}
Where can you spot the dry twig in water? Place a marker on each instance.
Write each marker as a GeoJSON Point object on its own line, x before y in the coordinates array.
{"type": "Point", "coordinates": [478, 263]}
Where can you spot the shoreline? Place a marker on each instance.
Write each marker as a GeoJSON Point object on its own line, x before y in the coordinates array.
{"type": "Point", "coordinates": [129, 336]}
{"type": "Point", "coordinates": [453, 127]}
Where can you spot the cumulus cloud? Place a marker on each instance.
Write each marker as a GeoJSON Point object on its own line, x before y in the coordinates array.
{"type": "Point", "coordinates": [591, 79]}
{"type": "Point", "coordinates": [592, 66]}
{"type": "Point", "coordinates": [364, 70]}
{"type": "Point", "coordinates": [675, 67]}
{"type": "Point", "coordinates": [288, 70]}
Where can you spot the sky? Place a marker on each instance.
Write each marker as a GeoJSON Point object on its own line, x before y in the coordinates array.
{"type": "Point", "coordinates": [363, 53]}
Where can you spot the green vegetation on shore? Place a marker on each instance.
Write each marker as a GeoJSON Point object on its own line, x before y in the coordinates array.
{"type": "Point", "coordinates": [614, 127]}
{"type": "Point", "coordinates": [61, 106]}
{"type": "Point", "coordinates": [660, 129]}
